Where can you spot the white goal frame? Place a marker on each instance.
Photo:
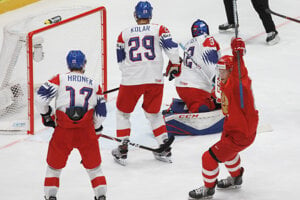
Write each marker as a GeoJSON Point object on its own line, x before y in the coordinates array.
{"type": "Point", "coordinates": [30, 76]}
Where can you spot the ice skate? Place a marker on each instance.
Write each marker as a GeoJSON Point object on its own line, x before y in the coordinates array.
{"type": "Point", "coordinates": [120, 153]}
{"type": "Point", "coordinates": [164, 156]}
{"type": "Point", "coordinates": [231, 182]}
{"type": "Point", "coordinates": [50, 198]}
{"type": "Point", "coordinates": [102, 197]}
{"type": "Point", "coordinates": [272, 38]}
{"type": "Point", "coordinates": [202, 193]}
{"type": "Point", "coordinates": [226, 27]}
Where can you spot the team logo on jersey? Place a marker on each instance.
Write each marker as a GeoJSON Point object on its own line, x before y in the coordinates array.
{"type": "Point", "coordinates": [183, 83]}
{"type": "Point", "coordinates": [225, 103]}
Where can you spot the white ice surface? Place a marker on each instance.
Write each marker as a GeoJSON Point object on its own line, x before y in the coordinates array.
{"type": "Point", "coordinates": [271, 163]}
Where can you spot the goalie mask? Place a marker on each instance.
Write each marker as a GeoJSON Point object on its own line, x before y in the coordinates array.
{"type": "Point", "coordinates": [143, 10]}
{"type": "Point", "coordinates": [76, 60]}
{"type": "Point", "coordinates": [199, 27]}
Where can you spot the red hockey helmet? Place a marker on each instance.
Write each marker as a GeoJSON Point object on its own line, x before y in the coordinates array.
{"type": "Point", "coordinates": [225, 62]}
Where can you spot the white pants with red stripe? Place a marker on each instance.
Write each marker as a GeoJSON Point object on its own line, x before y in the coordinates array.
{"type": "Point", "coordinates": [96, 176]}
{"type": "Point", "coordinates": [156, 121]}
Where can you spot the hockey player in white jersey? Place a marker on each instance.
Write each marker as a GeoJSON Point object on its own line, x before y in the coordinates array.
{"type": "Point", "coordinates": [195, 83]}
{"type": "Point", "coordinates": [140, 58]}
{"type": "Point", "coordinates": [80, 111]}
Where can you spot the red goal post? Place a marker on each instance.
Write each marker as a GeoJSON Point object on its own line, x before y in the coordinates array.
{"type": "Point", "coordinates": [30, 64]}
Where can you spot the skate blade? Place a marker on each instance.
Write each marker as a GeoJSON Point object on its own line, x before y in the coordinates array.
{"type": "Point", "coordinates": [230, 187]}
{"type": "Point", "coordinates": [230, 30]}
{"type": "Point", "coordinates": [208, 197]}
{"type": "Point", "coordinates": [121, 161]}
{"type": "Point", "coordinates": [163, 159]}
{"type": "Point", "coordinates": [274, 41]}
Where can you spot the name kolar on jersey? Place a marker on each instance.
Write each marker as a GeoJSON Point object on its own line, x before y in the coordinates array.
{"type": "Point", "coordinates": [80, 78]}
{"type": "Point", "coordinates": [140, 28]}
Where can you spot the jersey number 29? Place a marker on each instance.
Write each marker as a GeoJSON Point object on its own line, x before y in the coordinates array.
{"type": "Point", "coordinates": [147, 43]}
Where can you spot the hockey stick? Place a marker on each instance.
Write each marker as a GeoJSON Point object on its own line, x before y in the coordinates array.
{"type": "Point", "coordinates": [158, 150]}
{"type": "Point", "coordinates": [236, 22]}
{"type": "Point", "coordinates": [112, 90]}
{"type": "Point", "coordinates": [193, 60]}
{"type": "Point", "coordinates": [268, 10]}
{"type": "Point", "coordinates": [189, 56]}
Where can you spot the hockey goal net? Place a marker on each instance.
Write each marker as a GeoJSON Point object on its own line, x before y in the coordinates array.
{"type": "Point", "coordinates": [33, 52]}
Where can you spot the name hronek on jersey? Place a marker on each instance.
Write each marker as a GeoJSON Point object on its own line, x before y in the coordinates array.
{"type": "Point", "coordinates": [80, 78]}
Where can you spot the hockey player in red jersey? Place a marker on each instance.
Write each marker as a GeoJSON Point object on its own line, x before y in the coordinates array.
{"type": "Point", "coordinates": [140, 58]}
{"type": "Point", "coordinates": [197, 76]}
{"type": "Point", "coordinates": [239, 129]}
{"type": "Point", "coordinates": [80, 111]}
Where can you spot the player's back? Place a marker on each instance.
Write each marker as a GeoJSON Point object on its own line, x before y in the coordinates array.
{"type": "Point", "coordinates": [205, 52]}
{"type": "Point", "coordinates": [142, 44]}
{"type": "Point", "coordinates": [143, 59]}
{"type": "Point", "coordinates": [204, 49]}
{"type": "Point", "coordinates": [76, 89]}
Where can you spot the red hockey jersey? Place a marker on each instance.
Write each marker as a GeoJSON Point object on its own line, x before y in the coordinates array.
{"type": "Point", "coordinates": [240, 123]}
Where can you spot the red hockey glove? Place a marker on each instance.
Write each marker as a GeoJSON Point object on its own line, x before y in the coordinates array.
{"type": "Point", "coordinates": [238, 46]}
{"type": "Point", "coordinates": [173, 70]}
{"type": "Point", "coordinates": [48, 119]}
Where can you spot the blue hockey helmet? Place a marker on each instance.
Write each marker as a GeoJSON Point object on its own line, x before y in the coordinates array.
{"type": "Point", "coordinates": [199, 27]}
{"type": "Point", "coordinates": [76, 59]}
{"type": "Point", "coordinates": [143, 10]}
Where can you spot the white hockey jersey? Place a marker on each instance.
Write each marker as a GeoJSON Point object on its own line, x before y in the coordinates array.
{"type": "Point", "coordinates": [139, 53]}
{"type": "Point", "coordinates": [205, 51]}
{"type": "Point", "coordinates": [72, 89]}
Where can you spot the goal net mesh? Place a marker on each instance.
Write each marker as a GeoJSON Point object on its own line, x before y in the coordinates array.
{"type": "Point", "coordinates": [25, 65]}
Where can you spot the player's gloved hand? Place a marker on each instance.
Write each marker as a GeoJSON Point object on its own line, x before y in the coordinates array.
{"type": "Point", "coordinates": [238, 46]}
{"type": "Point", "coordinates": [99, 131]}
{"type": "Point", "coordinates": [173, 70]}
{"type": "Point", "coordinates": [47, 119]}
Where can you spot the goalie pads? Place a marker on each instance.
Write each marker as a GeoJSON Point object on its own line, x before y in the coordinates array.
{"type": "Point", "coordinates": [194, 123]}
{"type": "Point", "coordinates": [177, 106]}
{"type": "Point", "coordinates": [180, 122]}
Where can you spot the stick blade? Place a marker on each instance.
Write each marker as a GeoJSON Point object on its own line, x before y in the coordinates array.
{"type": "Point", "coordinates": [264, 127]}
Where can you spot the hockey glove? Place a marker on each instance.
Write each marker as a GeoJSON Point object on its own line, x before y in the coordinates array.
{"type": "Point", "coordinates": [173, 70]}
{"type": "Point", "coordinates": [238, 46]}
{"type": "Point", "coordinates": [99, 131]}
{"type": "Point", "coordinates": [47, 119]}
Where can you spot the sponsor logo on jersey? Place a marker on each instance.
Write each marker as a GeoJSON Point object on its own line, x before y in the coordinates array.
{"type": "Point", "coordinates": [183, 83]}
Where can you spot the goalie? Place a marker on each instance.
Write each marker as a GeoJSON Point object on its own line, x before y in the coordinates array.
{"type": "Point", "coordinates": [195, 83]}
{"type": "Point", "coordinates": [194, 86]}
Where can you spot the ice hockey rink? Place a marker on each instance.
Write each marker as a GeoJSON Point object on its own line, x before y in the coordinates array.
{"type": "Point", "coordinates": [271, 163]}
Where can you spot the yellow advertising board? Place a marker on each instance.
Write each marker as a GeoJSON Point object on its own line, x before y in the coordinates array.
{"type": "Point", "coordinates": [7, 5]}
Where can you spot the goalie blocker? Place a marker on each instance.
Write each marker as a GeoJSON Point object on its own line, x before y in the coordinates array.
{"type": "Point", "coordinates": [180, 122]}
